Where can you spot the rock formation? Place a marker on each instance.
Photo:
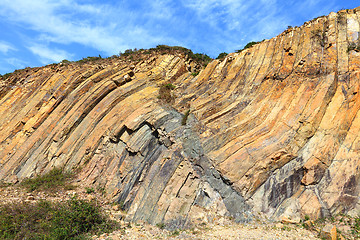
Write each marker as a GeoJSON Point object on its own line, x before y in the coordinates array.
{"type": "Point", "coordinates": [272, 129]}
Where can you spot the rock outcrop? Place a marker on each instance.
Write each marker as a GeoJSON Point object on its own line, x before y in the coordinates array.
{"type": "Point", "coordinates": [272, 129]}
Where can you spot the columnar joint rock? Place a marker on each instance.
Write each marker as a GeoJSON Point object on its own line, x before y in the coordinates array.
{"type": "Point", "coordinates": [272, 129]}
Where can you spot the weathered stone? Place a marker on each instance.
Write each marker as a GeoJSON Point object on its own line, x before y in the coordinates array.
{"type": "Point", "coordinates": [314, 170]}
{"type": "Point", "coordinates": [329, 232]}
{"type": "Point", "coordinates": [313, 210]}
{"type": "Point", "coordinates": [287, 220]}
{"type": "Point", "coordinates": [341, 237]}
{"type": "Point", "coordinates": [309, 223]}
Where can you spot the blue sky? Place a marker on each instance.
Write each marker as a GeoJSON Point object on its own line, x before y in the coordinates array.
{"type": "Point", "coordinates": [39, 32]}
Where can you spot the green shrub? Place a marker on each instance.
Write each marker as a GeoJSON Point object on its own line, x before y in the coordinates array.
{"type": "Point", "coordinates": [101, 190]}
{"type": "Point", "coordinates": [341, 18]}
{"type": "Point", "coordinates": [65, 61]}
{"type": "Point", "coordinates": [121, 205]}
{"type": "Point", "coordinates": [222, 55]}
{"type": "Point", "coordinates": [89, 190]}
{"type": "Point", "coordinates": [5, 76]}
{"type": "Point", "coordinates": [89, 59]}
{"type": "Point", "coordinates": [166, 48]}
{"type": "Point", "coordinates": [160, 225]}
{"type": "Point", "coordinates": [51, 181]}
{"type": "Point", "coordinates": [200, 58]}
{"type": "Point", "coordinates": [175, 233]}
{"type": "Point", "coordinates": [137, 54]}
{"type": "Point", "coordinates": [128, 52]}
{"type": "Point", "coordinates": [319, 36]}
{"type": "Point", "coordinates": [68, 220]}
{"type": "Point", "coordinates": [248, 45]}
{"type": "Point", "coordinates": [4, 184]}
{"type": "Point", "coordinates": [356, 228]}
{"type": "Point", "coordinates": [194, 74]}
{"type": "Point", "coordinates": [169, 86]}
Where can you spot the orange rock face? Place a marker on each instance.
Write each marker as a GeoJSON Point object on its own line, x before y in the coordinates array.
{"type": "Point", "coordinates": [272, 129]}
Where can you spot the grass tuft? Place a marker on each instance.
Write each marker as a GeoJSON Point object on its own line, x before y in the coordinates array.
{"type": "Point", "coordinates": [185, 117]}
{"type": "Point", "coordinates": [51, 181]}
{"type": "Point", "coordinates": [161, 225]}
{"type": "Point", "coordinates": [165, 93]}
{"type": "Point", "coordinates": [194, 74]}
{"type": "Point", "coordinates": [89, 190]}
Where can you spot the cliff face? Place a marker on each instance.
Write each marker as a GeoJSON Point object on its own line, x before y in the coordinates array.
{"type": "Point", "coordinates": [272, 129]}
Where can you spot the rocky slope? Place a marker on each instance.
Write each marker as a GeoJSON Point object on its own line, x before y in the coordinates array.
{"type": "Point", "coordinates": [273, 129]}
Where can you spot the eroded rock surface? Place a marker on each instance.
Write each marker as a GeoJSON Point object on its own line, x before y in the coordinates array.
{"type": "Point", "coordinates": [272, 129]}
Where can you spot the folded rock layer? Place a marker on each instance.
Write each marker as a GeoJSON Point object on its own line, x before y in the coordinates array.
{"type": "Point", "coordinates": [273, 129]}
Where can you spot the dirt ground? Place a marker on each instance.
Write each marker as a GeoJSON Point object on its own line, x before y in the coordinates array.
{"type": "Point", "coordinates": [213, 231]}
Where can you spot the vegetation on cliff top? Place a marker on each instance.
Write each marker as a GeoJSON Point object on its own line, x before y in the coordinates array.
{"type": "Point", "coordinates": [5, 76]}
{"type": "Point", "coordinates": [222, 55]}
{"type": "Point", "coordinates": [200, 58]}
{"type": "Point", "coordinates": [138, 54]}
{"type": "Point", "coordinates": [248, 45]}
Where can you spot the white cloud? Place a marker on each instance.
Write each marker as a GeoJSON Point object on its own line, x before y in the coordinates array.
{"type": "Point", "coordinates": [160, 9]}
{"type": "Point", "coordinates": [48, 55]}
{"type": "Point", "coordinates": [6, 47]}
{"type": "Point", "coordinates": [100, 26]}
{"type": "Point", "coordinates": [254, 19]}
{"type": "Point", "coordinates": [15, 63]}
{"type": "Point", "coordinates": [56, 20]}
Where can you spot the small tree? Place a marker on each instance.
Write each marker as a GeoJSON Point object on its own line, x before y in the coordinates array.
{"type": "Point", "coordinates": [222, 55]}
